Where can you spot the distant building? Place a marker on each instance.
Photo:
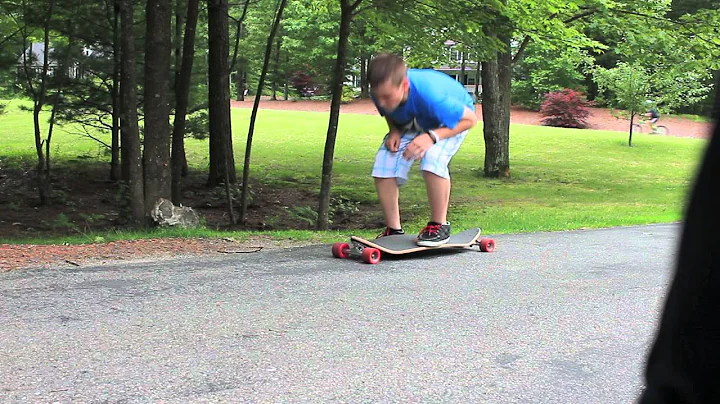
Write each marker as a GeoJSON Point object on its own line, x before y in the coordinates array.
{"type": "Point", "coordinates": [452, 66]}
{"type": "Point", "coordinates": [35, 56]}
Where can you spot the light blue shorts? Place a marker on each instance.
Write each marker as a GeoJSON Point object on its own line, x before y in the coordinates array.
{"type": "Point", "coordinates": [436, 159]}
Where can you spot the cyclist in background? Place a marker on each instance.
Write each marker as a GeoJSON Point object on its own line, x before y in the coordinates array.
{"type": "Point", "coordinates": [652, 117]}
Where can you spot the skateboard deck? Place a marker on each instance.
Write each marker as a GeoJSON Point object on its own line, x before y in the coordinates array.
{"type": "Point", "coordinates": [371, 250]}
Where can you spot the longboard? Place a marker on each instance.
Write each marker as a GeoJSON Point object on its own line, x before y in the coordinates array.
{"type": "Point", "coordinates": [371, 250]}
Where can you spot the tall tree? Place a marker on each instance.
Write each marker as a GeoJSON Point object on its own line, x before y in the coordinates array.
{"type": "Point", "coordinates": [529, 21]}
{"type": "Point", "coordinates": [222, 161]}
{"type": "Point", "coordinates": [113, 8]}
{"type": "Point", "coordinates": [182, 97]}
{"type": "Point", "coordinates": [38, 91]}
{"type": "Point", "coordinates": [496, 78]}
{"type": "Point", "coordinates": [132, 166]}
{"type": "Point", "coordinates": [346, 9]}
{"type": "Point", "coordinates": [90, 90]}
{"type": "Point", "coordinates": [237, 65]}
{"type": "Point", "coordinates": [256, 104]}
{"type": "Point", "coordinates": [156, 153]}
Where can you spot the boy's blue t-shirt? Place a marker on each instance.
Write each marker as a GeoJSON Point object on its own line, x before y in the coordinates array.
{"type": "Point", "coordinates": [434, 100]}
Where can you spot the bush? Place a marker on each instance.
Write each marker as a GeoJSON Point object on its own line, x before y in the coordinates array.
{"type": "Point", "coordinates": [566, 109]}
{"type": "Point", "coordinates": [349, 94]}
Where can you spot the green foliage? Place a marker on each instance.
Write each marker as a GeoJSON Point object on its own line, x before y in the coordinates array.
{"type": "Point", "coordinates": [630, 86]}
{"type": "Point", "coordinates": [349, 94]}
{"type": "Point", "coordinates": [197, 124]}
{"type": "Point", "coordinates": [543, 70]}
{"type": "Point", "coordinates": [670, 46]}
{"type": "Point", "coordinates": [62, 221]}
{"type": "Point", "coordinates": [305, 214]}
{"type": "Point", "coordinates": [627, 87]}
{"type": "Point", "coordinates": [342, 206]}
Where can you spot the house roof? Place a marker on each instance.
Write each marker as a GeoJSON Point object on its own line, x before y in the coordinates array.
{"type": "Point", "coordinates": [37, 54]}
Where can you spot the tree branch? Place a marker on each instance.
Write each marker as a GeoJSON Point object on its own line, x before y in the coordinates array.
{"type": "Point", "coordinates": [521, 50]}
{"type": "Point", "coordinates": [683, 24]}
{"type": "Point", "coordinates": [527, 39]}
{"type": "Point", "coordinates": [9, 37]}
{"type": "Point", "coordinates": [584, 14]}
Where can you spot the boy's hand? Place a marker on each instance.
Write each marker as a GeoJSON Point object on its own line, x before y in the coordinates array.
{"type": "Point", "coordinates": [417, 148]}
{"type": "Point", "coordinates": [393, 141]}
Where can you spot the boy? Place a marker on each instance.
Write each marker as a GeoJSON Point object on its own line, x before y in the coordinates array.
{"type": "Point", "coordinates": [429, 114]}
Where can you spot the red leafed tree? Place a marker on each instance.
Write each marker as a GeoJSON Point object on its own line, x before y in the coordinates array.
{"type": "Point", "coordinates": [566, 109]}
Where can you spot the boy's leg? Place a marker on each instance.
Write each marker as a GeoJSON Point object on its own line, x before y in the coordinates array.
{"type": "Point", "coordinates": [390, 172]}
{"type": "Point", "coordinates": [389, 195]}
{"type": "Point", "coordinates": [438, 190]}
{"type": "Point", "coordinates": [653, 125]}
{"type": "Point", "coordinates": [435, 170]}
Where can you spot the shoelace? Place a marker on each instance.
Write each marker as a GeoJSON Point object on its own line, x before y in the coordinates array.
{"type": "Point", "coordinates": [387, 232]}
{"type": "Point", "coordinates": [431, 229]}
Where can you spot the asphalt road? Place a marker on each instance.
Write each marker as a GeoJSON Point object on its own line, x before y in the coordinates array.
{"type": "Point", "coordinates": [547, 318]}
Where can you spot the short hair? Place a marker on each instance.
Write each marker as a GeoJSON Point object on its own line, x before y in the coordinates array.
{"type": "Point", "coordinates": [384, 67]}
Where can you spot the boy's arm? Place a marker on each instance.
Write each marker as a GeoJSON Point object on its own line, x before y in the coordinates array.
{"type": "Point", "coordinates": [391, 125]}
{"type": "Point", "coordinates": [467, 121]}
{"type": "Point", "coordinates": [392, 142]}
{"type": "Point", "coordinates": [417, 148]}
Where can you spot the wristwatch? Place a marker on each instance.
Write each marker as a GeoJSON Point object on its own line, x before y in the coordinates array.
{"type": "Point", "coordinates": [434, 136]}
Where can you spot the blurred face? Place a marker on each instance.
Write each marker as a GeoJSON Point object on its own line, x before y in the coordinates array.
{"type": "Point", "coordinates": [390, 96]}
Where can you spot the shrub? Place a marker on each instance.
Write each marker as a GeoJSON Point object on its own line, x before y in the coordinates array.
{"type": "Point", "coordinates": [349, 94]}
{"type": "Point", "coordinates": [566, 109]}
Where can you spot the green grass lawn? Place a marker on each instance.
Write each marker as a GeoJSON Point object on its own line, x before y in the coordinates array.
{"type": "Point", "coordinates": [561, 178]}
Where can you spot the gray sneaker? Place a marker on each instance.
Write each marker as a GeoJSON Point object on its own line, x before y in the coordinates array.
{"type": "Point", "coordinates": [434, 234]}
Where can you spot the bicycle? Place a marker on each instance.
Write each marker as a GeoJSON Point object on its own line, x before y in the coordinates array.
{"type": "Point", "coordinates": [642, 123]}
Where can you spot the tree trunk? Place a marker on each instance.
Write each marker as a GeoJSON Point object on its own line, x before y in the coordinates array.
{"type": "Point", "coordinates": [51, 126]}
{"type": "Point", "coordinates": [182, 96]}
{"type": "Point", "coordinates": [256, 104]}
{"type": "Point", "coordinates": [115, 171]}
{"type": "Point", "coordinates": [39, 101]}
{"type": "Point", "coordinates": [463, 81]}
{"type": "Point", "coordinates": [221, 154]}
{"type": "Point", "coordinates": [240, 84]}
{"type": "Point", "coordinates": [132, 158]}
{"type": "Point", "coordinates": [156, 156]}
{"type": "Point", "coordinates": [364, 86]}
{"type": "Point", "coordinates": [496, 77]}
{"type": "Point", "coordinates": [177, 39]}
{"type": "Point", "coordinates": [239, 73]}
{"type": "Point", "coordinates": [632, 121]}
{"type": "Point", "coordinates": [337, 90]}
{"type": "Point", "coordinates": [286, 84]}
{"type": "Point", "coordinates": [60, 80]}
{"type": "Point", "coordinates": [276, 70]}
{"type": "Point", "coordinates": [42, 180]}
{"type": "Point", "coordinates": [477, 82]}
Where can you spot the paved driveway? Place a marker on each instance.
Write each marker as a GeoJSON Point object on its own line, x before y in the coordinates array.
{"type": "Point", "coordinates": [547, 318]}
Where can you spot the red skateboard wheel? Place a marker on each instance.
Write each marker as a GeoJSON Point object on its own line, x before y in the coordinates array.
{"type": "Point", "coordinates": [371, 255]}
{"type": "Point", "coordinates": [341, 250]}
{"type": "Point", "coordinates": [487, 245]}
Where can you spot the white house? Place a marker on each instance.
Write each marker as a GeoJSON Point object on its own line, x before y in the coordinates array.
{"type": "Point", "coordinates": [35, 57]}
{"type": "Point", "coordinates": [452, 66]}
